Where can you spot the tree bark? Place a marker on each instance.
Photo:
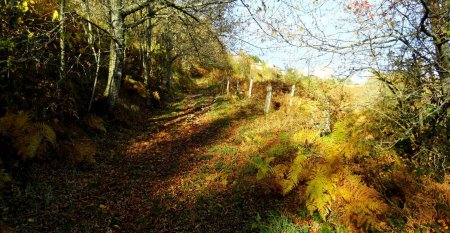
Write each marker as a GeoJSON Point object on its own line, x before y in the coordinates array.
{"type": "Point", "coordinates": [291, 99]}
{"type": "Point", "coordinates": [268, 99]}
{"type": "Point", "coordinates": [439, 32]}
{"type": "Point", "coordinates": [250, 87]}
{"type": "Point", "coordinates": [228, 85]}
{"type": "Point", "coordinates": [117, 55]}
{"type": "Point", "coordinates": [94, 52]}
{"type": "Point", "coordinates": [62, 18]}
{"type": "Point", "coordinates": [170, 76]}
{"type": "Point", "coordinates": [148, 55]}
{"type": "Point", "coordinates": [170, 59]}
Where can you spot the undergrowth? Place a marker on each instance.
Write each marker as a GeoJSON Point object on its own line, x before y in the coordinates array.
{"type": "Point", "coordinates": [344, 177]}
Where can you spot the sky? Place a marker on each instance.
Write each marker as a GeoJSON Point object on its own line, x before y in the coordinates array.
{"type": "Point", "coordinates": [324, 18]}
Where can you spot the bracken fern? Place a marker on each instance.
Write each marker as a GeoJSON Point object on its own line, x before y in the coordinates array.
{"type": "Point", "coordinates": [28, 138]}
{"type": "Point", "coordinates": [322, 165]}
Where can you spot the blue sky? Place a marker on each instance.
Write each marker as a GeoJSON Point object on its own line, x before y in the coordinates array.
{"type": "Point", "coordinates": [325, 18]}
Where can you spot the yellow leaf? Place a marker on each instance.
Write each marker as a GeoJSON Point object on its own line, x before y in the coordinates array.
{"type": "Point", "coordinates": [24, 8]}
{"type": "Point", "coordinates": [211, 177]}
{"type": "Point", "coordinates": [55, 15]}
{"type": "Point", "coordinates": [101, 206]}
{"type": "Point", "coordinates": [224, 182]}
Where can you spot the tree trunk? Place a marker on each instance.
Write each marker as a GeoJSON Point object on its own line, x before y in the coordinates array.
{"type": "Point", "coordinates": [228, 85]}
{"type": "Point", "coordinates": [170, 76]}
{"type": "Point", "coordinates": [439, 29]}
{"type": "Point", "coordinates": [117, 55]}
{"type": "Point", "coordinates": [148, 56]}
{"type": "Point", "coordinates": [326, 129]}
{"type": "Point", "coordinates": [96, 54]}
{"type": "Point", "coordinates": [62, 18]}
{"type": "Point", "coordinates": [250, 87]}
{"type": "Point", "coordinates": [268, 98]}
{"type": "Point", "coordinates": [170, 59]}
{"type": "Point", "coordinates": [291, 99]}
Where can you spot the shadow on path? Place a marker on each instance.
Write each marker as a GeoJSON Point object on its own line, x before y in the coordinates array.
{"type": "Point", "coordinates": [138, 192]}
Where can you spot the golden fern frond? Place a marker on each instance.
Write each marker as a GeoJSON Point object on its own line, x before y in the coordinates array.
{"type": "Point", "coordinates": [27, 138]}
{"type": "Point", "coordinates": [362, 205]}
{"type": "Point", "coordinates": [355, 148]}
{"type": "Point", "coordinates": [341, 131]}
{"type": "Point", "coordinates": [345, 140]}
{"type": "Point", "coordinates": [95, 122]}
{"type": "Point", "coordinates": [296, 171]}
{"type": "Point", "coordinates": [22, 120]}
{"type": "Point", "coordinates": [279, 172]}
{"type": "Point", "coordinates": [286, 186]}
{"type": "Point", "coordinates": [320, 193]}
{"type": "Point", "coordinates": [306, 137]}
{"type": "Point", "coordinates": [14, 122]}
{"type": "Point", "coordinates": [297, 166]}
{"type": "Point", "coordinates": [28, 147]}
{"type": "Point", "coordinates": [47, 132]}
{"type": "Point", "coordinates": [329, 148]}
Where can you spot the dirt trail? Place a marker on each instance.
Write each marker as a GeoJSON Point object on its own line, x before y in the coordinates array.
{"type": "Point", "coordinates": [141, 188]}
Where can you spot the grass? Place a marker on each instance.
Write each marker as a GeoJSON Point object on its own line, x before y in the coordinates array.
{"type": "Point", "coordinates": [224, 150]}
{"type": "Point", "coordinates": [276, 223]}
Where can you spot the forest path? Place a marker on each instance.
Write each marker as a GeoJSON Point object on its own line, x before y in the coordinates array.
{"type": "Point", "coordinates": [160, 174]}
{"type": "Point", "coordinates": [170, 182]}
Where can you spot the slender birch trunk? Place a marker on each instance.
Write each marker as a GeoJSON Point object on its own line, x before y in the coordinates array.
{"type": "Point", "coordinates": [117, 54]}
{"type": "Point", "coordinates": [94, 52]}
{"type": "Point", "coordinates": [62, 18]}
{"type": "Point", "coordinates": [250, 87]}
{"type": "Point", "coordinates": [228, 85]}
{"type": "Point", "coordinates": [148, 55]}
{"type": "Point", "coordinates": [268, 98]}
{"type": "Point", "coordinates": [291, 99]}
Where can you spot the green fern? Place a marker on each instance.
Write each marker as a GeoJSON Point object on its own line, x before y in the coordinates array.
{"type": "Point", "coordinates": [263, 166]}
